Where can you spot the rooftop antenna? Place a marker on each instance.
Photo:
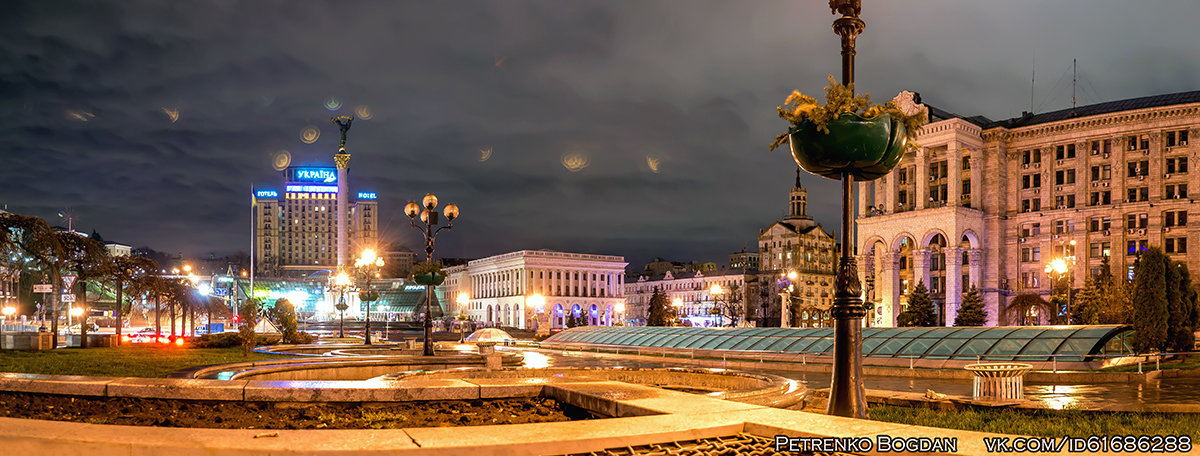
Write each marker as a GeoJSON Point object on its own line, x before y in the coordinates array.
{"type": "Point", "coordinates": [1032, 80]}
{"type": "Point", "coordinates": [1073, 80]}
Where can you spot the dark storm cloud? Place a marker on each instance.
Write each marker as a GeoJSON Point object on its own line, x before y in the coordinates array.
{"type": "Point", "coordinates": [692, 84]}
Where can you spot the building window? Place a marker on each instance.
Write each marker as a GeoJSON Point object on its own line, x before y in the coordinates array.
{"type": "Point", "coordinates": [1174, 218]}
{"type": "Point", "coordinates": [966, 188]}
{"type": "Point", "coordinates": [1136, 194]}
{"type": "Point", "coordinates": [1175, 191]}
{"type": "Point", "coordinates": [1138, 168]}
{"type": "Point", "coordinates": [1029, 279]}
{"type": "Point", "coordinates": [1175, 245]}
{"type": "Point", "coordinates": [1064, 177]}
{"type": "Point", "coordinates": [1097, 198]}
{"type": "Point", "coordinates": [1063, 152]}
{"type": "Point", "coordinates": [1031, 156]}
{"type": "Point", "coordinates": [938, 193]}
{"type": "Point", "coordinates": [1136, 221]}
{"type": "Point", "coordinates": [1064, 201]}
{"type": "Point", "coordinates": [937, 170]}
{"type": "Point", "coordinates": [1031, 205]}
{"type": "Point", "coordinates": [1177, 165]}
{"type": "Point", "coordinates": [1099, 249]}
{"type": "Point", "coordinates": [1064, 226]}
{"type": "Point", "coordinates": [1101, 172]}
{"type": "Point", "coordinates": [1177, 138]}
{"type": "Point", "coordinates": [966, 163]}
{"type": "Point", "coordinates": [1031, 229]}
{"type": "Point", "coordinates": [1031, 181]}
{"type": "Point", "coordinates": [903, 176]}
{"type": "Point", "coordinates": [1138, 142]}
{"type": "Point", "coordinates": [902, 197]}
{"type": "Point", "coordinates": [1135, 247]}
{"type": "Point", "coordinates": [1104, 146]}
{"type": "Point", "coordinates": [1099, 223]}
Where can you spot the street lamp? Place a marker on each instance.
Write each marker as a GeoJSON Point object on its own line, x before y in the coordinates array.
{"type": "Point", "coordinates": [463, 300]}
{"type": "Point", "coordinates": [369, 263]}
{"type": "Point", "coordinates": [74, 313]}
{"type": "Point", "coordinates": [619, 309]}
{"type": "Point", "coordinates": [8, 313]}
{"type": "Point", "coordinates": [538, 302]}
{"type": "Point", "coordinates": [677, 303]}
{"type": "Point", "coordinates": [429, 220]}
{"type": "Point", "coordinates": [341, 281]}
{"type": "Point", "coordinates": [1062, 267]}
{"type": "Point", "coordinates": [716, 291]}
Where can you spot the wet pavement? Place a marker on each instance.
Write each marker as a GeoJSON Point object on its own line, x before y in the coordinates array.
{"type": "Point", "coordinates": [1133, 395]}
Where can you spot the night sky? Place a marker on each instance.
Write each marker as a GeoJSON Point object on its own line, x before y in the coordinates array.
{"type": "Point", "coordinates": [149, 122]}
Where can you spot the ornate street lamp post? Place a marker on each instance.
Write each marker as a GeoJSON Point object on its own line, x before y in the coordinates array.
{"type": "Point", "coordinates": [429, 220]}
{"type": "Point", "coordinates": [369, 263]}
{"type": "Point", "coordinates": [341, 281]}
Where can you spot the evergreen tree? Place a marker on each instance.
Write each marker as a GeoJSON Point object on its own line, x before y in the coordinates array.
{"type": "Point", "coordinates": [1150, 312]}
{"type": "Point", "coordinates": [1022, 307]}
{"type": "Point", "coordinates": [920, 310]}
{"type": "Point", "coordinates": [1179, 308]}
{"type": "Point", "coordinates": [657, 313]}
{"type": "Point", "coordinates": [283, 314]}
{"type": "Point", "coordinates": [972, 312]}
{"type": "Point", "coordinates": [248, 314]}
{"type": "Point", "coordinates": [1086, 308]}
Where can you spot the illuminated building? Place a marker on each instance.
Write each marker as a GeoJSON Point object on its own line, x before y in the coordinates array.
{"type": "Point", "coordinates": [797, 244]}
{"type": "Point", "coordinates": [990, 203]}
{"type": "Point", "coordinates": [500, 288]}
{"type": "Point", "coordinates": [296, 229]}
{"type": "Point", "coordinates": [692, 289]}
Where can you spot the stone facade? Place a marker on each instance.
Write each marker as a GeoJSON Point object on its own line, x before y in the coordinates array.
{"type": "Point", "coordinates": [500, 288]}
{"type": "Point", "coordinates": [693, 290]}
{"type": "Point", "coordinates": [990, 203]}
{"type": "Point", "coordinates": [796, 244]}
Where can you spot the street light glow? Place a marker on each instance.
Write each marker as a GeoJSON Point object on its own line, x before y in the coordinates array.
{"type": "Point", "coordinates": [716, 289]}
{"type": "Point", "coordinates": [463, 297]}
{"type": "Point", "coordinates": [1057, 265]}
{"type": "Point", "coordinates": [76, 311]}
{"type": "Point", "coordinates": [538, 302]}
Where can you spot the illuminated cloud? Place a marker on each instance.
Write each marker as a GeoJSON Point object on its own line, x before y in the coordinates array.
{"type": "Point", "coordinates": [364, 112]}
{"type": "Point", "coordinates": [333, 104]}
{"type": "Point", "coordinates": [310, 134]}
{"type": "Point", "coordinates": [652, 163]}
{"type": "Point", "coordinates": [485, 154]}
{"type": "Point", "coordinates": [574, 161]}
{"type": "Point", "coordinates": [172, 114]}
{"type": "Point", "coordinates": [281, 161]}
{"type": "Point", "coordinates": [80, 115]}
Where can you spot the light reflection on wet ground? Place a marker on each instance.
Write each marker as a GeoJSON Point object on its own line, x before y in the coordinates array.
{"type": "Point", "coordinates": [1161, 391]}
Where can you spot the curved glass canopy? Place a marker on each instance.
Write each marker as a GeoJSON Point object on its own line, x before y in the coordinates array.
{"type": "Point", "coordinates": [990, 343]}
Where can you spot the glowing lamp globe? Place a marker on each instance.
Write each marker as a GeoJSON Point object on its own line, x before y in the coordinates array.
{"type": "Point", "coordinates": [412, 209]}
{"type": "Point", "coordinates": [451, 211]}
{"type": "Point", "coordinates": [430, 201]}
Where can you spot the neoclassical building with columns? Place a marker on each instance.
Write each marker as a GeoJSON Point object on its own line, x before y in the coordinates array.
{"type": "Point", "coordinates": [990, 203]}
{"type": "Point", "coordinates": [529, 288]}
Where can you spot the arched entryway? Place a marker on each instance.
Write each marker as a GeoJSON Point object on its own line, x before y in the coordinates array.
{"type": "Point", "coordinates": [559, 318]}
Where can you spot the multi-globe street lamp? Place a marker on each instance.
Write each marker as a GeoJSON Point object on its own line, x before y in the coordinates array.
{"type": "Point", "coordinates": [369, 264]}
{"type": "Point", "coordinates": [1062, 266]}
{"type": "Point", "coordinates": [341, 281]}
{"type": "Point", "coordinates": [429, 220]}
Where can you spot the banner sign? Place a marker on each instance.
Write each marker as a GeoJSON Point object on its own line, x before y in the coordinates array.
{"type": "Point", "coordinates": [312, 189]}
{"type": "Point", "coordinates": [43, 288]}
{"type": "Point", "coordinates": [318, 175]}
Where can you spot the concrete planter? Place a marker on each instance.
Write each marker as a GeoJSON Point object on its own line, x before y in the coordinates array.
{"type": "Point", "coordinates": [26, 341]}
{"type": "Point", "coordinates": [94, 340]}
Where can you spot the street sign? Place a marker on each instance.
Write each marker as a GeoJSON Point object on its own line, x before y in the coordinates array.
{"type": "Point", "coordinates": [69, 297]}
{"type": "Point", "coordinates": [43, 288]}
{"type": "Point", "coordinates": [68, 280]}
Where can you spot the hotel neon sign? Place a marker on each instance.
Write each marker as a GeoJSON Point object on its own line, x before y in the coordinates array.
{"type": "Point", "coordinates": [316, 175]}
{"type": "Point", "coordinates": [311, 189]}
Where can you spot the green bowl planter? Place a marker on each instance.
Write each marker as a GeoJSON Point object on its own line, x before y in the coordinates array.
{"type": "Point", "coordinates": [866, 148]}
{"type": "Point", "coordinates": [430, 278]}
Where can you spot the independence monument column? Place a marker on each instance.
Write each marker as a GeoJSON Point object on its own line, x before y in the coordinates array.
{"type": "Point", "coordinates": [342, 159]}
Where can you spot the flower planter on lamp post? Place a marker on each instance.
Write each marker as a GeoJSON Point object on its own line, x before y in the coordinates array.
{"type": "Point", "coordinates": [848, 140]}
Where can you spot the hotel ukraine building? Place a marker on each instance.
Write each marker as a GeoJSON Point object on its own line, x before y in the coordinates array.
{"type": "Point", "coordinates": [990, 203]}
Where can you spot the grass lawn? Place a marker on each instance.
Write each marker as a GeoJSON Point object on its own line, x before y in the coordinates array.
{"type": "Point", "coordinates": [1049, 423]}
{"type": "Point", "coordinates": [131, 360]}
